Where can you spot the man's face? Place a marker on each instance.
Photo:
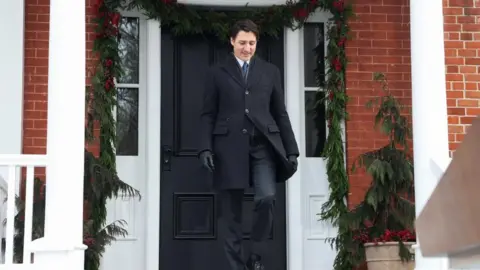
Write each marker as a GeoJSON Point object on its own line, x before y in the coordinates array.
{"type": "Point", "coordinates": [244, 45]}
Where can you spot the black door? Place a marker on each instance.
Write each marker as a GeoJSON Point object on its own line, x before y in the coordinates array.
{"type": "Point", "coordinates": [189, 238]}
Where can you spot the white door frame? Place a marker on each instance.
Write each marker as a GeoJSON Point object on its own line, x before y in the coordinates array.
{"type": "Point", "coordinates": [294, 200]}
{"type": "Point", "coordinates": [293, 188]}
{"type": "Point", "coordinates": [152, 192]}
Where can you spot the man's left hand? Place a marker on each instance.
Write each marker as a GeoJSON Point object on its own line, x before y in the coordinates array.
{"type": "Point", "coordinates": [294, 161]}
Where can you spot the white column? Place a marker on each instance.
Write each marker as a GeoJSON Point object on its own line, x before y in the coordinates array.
{"type": "Point", "coordinates": [65, 137]}
{"type": "Point", "coordinates": [293, 90]}
{"type": "Point", "coordinates": [429, 102]}
{"type": "Point", "coordinates": [11, 76]}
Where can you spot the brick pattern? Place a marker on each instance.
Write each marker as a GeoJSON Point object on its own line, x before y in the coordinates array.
{"type": "Point", "coordinates": [462, 57]}
{"type": "Point", "coordinates": [35, 79]}
{"type": "Point", "coordinates": [35, 76]}
{"type": "Point", "coordinates": [91, 60]}
{"type": "Point", "coordinates": [381, 43]}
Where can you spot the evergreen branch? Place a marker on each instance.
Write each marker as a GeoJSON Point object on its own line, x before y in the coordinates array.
{"type": "Point", "coordinates": [103, 179]}
{"type": "Point", "coordinates": [384, 207]}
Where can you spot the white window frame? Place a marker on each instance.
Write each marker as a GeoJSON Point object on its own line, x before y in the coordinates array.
{"type": "Point", "coordinates": [140, 86]}
{"type": "Point", "coordinates": [317, 17]}
{"type": "Point", "coordinates": [133, 169]}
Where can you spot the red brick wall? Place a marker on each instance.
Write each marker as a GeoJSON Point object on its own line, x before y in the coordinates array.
{"type": "Point", "coordinates": [381, 43]}
{"type": "Point", "coordinates": [462, 52]}
{"type": "Point", "coordinates": [36, 72]}
{"type": "Point", "coordinates": [35, 76]}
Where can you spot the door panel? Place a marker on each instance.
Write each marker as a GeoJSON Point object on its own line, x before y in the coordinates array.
{"type": "Point", "coordinates": [189, 227]}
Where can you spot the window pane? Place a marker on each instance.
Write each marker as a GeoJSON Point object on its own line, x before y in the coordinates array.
{"type": "Point", "coordinates": [313, 34]}
{"type": "Point", "coordinates": [129, 49]}
{"type": "Point", "coordinates": [315, 123]}
{"type": "Point", "coordinates": [127, 122]}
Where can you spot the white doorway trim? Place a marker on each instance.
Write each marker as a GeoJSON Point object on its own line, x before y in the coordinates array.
{"type": "Point", "coordinates": [152, 192]}
{"type": "Point", "coordinates": [294, 200]}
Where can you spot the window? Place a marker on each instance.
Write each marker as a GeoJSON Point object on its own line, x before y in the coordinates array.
{"type": "Point", "coordinates": [127, 121]}
{"type": "Point", "coordinates": [128, 88]}
{"type": "Point", "coordinates": [315, 128]}
{"type": "Point", "coordinates": [315, 121]}
{"type": "Point", "coordinates": [313, 36]}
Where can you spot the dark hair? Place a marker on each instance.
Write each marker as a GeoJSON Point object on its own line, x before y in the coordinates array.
{"type": "Point", "coordinates": [244, 25]}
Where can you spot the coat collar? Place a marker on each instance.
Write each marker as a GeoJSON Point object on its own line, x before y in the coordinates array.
{"type": "Point", "coordinates": [232, 67]}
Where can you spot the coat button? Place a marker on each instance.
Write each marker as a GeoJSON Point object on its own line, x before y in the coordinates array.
{"type": "Point", "coordinates": [246, 92]}
{"type": "Point", "coordinates": [244, 131]}
{"type": "Point", "coordinates": [247, 111]}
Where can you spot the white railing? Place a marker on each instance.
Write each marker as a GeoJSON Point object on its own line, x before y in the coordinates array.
{"type": "Point", "coordinates": [20, 267]}
{"type": "Point", "coordinates": [3, 211]}
{"type": "Point", "coordinates": [9, 191]}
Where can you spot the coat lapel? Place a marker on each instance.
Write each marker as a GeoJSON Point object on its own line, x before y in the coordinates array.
{"type": "Point", "coordinates": [232, 68]}
{"type": "Point", "coordinates": [255, 72]}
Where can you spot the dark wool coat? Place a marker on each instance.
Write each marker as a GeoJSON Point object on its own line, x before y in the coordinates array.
{"type": "Point", "coordinates": [228, 102]}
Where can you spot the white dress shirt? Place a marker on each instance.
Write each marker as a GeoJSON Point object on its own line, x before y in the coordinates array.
{"type": "Point", "coordinates": [241, 62]}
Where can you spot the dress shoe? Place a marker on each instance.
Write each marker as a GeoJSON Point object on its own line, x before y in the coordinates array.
{"type": "Point", "coordinates": [254, 263]}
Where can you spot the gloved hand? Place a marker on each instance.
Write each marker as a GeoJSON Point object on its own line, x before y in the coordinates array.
{"type": "Point", "coordinates": [207, 160]}
{"type": "Point", "coordinates": [294, 161]}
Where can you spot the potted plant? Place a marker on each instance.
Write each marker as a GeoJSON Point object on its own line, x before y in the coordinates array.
{"type": "Point", "coordinates": [383, 222]}
{"type": "Point", "coordinates": [391, 250]}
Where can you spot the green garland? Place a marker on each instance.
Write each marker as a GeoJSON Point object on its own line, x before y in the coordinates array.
{"type": "Point", "coordinates": [186, 20]}
{"type": "Point", "coordinates": [101, 102]}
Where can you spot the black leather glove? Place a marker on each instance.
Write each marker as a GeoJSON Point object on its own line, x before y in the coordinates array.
{"type": "Point", "coordinates": [207, 160]}
{"type": "Point", "coordinates": [294, 161]}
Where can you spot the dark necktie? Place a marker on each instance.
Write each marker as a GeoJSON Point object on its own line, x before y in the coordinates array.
{"type": "Point", "coordinates": [245, 70]}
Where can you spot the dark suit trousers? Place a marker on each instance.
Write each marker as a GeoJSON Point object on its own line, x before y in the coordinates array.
{"type": "Point", "coordinates": [263, 173]}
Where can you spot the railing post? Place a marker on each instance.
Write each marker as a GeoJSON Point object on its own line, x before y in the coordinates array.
{"type": "Point", "coordinates": [62, 247]}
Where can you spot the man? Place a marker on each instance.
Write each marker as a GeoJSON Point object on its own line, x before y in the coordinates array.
{"type": "Point", "coordinates": [246, 140]}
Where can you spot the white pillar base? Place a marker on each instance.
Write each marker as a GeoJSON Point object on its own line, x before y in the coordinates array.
{"type": "Point", "coordinates": [56, 256]}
